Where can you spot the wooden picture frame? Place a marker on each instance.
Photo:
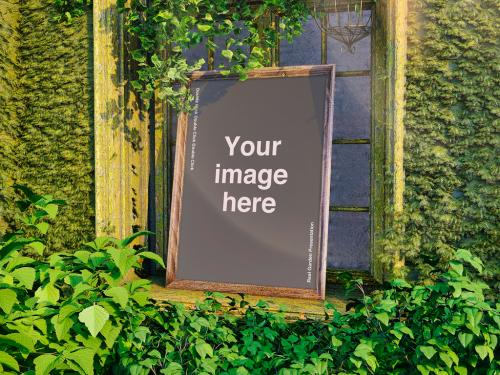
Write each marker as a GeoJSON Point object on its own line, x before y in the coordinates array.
{"type": "Point", "coordinates": [178, 183]}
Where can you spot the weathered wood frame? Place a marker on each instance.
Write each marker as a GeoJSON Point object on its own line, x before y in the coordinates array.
{"type": "Point", "coordinates": [121, 130]}
{"type": "Point", "coordinates": [174, 232]}
{"type": "Point", "coordinates": [388, 101]}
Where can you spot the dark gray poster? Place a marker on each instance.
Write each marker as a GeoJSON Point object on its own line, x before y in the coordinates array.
{"type": "Point", "coordinates": [253, 182]}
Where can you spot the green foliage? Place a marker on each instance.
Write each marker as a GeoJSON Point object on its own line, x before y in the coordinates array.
{"type": "Point", "coordinates": [452, 140]}
{"type": "Point", "coordinates": [68, 312]}
{"type": "Point", "coordinates": [167, 28]}
{"type": "Point", "coordinates": [77, 313]}
{"type": "Point", "coordinates": [446, 327]}
{"type": "Point", "coordinates": [67, 10]}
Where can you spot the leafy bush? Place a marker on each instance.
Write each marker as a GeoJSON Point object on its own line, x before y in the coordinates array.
{"type": "Point", "coordinates": [67, 313]}
{"type": "Point", "coordinates": [443, 328]}
{"type": "Point", "coordinates": [451, 135]}
{"type": "Point", "coordinates": [77, 313]}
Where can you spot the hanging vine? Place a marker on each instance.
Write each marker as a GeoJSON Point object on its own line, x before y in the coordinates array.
{"type": "Point", "coordinates": [165, 29]}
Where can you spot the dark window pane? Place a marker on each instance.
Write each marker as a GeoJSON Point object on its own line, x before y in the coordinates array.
{"type": "Point", "coordinates": [351, 118]}
{"type": "Point", "coordinates": [173, 126]}
{"type": "Point", "coordinates": [305, 49]}
{"type": "Point", "coordinates": [350, 185]}
{"type": "Point", "coordinates": [348, 245]}
{"type": "Point", "coordinates": [195, 53]}
{"type": "Point", "coordinates": [338, 54]}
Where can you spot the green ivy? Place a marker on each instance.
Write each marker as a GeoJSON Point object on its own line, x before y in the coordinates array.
{"type": "Point", "coordinates": [65, 313]}
{"type": "Point", "coordinates": [452, 138]}
{"type": "Point", "coordinates": [78, 313]}
{"type": "Point", "coordinates": [165, 29]}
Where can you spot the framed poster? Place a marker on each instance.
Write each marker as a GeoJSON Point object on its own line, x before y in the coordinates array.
{"type": "Point", "coordinates": [250, 200]}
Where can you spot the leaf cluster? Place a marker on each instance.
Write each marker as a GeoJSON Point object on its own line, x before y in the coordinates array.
{"type": "Point", "coordinates": [240, 30]}
{"type": "Point", "coordinates": [451, 136]}
{"type": "Point", "coordinates": [78, 313]}
{"type": "Point", "coordinates": [66, 313]}
{"type": "Point", "coordinates": [447, 327]}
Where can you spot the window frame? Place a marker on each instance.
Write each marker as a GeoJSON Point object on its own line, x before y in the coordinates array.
{"type": "Point", "coordinates": [131, 184]}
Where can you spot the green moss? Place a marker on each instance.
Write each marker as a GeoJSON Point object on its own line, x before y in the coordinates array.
{"type": "Point", "coordinates": [452, 138]}
{"type": "Point", "coordinates": [9, 41]}
{"type": "Point", "coordinates": [55, 123]}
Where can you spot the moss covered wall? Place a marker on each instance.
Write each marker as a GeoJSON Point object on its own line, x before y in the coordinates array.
{"type": "Point", "coordinates": [452, 131]}
{"type": "Point", "coordinates": [54, 116]}
{"type": "Point", "coordinates": [9, 42]}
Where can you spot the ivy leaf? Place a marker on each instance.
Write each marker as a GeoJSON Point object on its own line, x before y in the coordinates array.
{"type": "Point", "coordinates": [110, 333]}
{"type": "Point", "coordinates": [460, 370]}
{"type": "Point", "coordinates": [44, 364]}
{"type": "Point", "coordinates": [428, 351]}
{"type": "Point", "coordinates": [242, 371]}
{"type": "Point", "coordinates": [94, 317]}
{"type": "Point", "coordinates": [82, 255]}
{"type": "Point", "coordinates": [119, 295]}
{"type": "Point", "coordinates": [42, 227]}
{"type": "Point", "coordinates": [124, 259]}
{"type": "Point", "coordinates": [383, 317]}
{"type": "Point", "coordinates": [156, 60]}
{"type": "Point", "coordinates": [465, 338]}
{"type": "Point", "coordinates": [458, 267]}
{"type": "Point", "coordinates": [173, 368]}
{"type": "Point", "coordinates": [62, 327]}
{"type": "Point", "coordinates": [83, 358]}
{"type": "Point", "coordinates": [7, 360]}
{"type": "Point", "coordinates": [469, 258]}
{"type": "Point", "coordinates": [482, 350]}
{"type": "Point", "coordinates": [336, 342]}
{"type": "Point", "coordinates": [166, 15]}
{"type": "Point", "coordinates": [51, 210]}
{"type": "Point", "coordinates": [228, 54]}
{"type": "Point", "coordinates": [204, 349]}
{"type": "Point", "coordinates": [8, 298]}
{"type": "Point", "coordinates": [19, 261]}
{"type": "Point", "coordinates": [128, 240]}
{"type": "Point", "coordinates": [19, 340]}
{"type": "Point", "coordinates": [446, 359]}
{"type": "Point", "coordinates": [141, 298]}
{"type": "Point", "coordinates": [152, 256]}
{"type": "Point", "coordinates": [48, 293]}
{"type": "Point", "coordinates": [26, 275]}
{"type": "Point", "coordinates": [38, 247]}
{"type": "Point", "coordinates": [138, 56]}
{"type": "Point", "coordinates": [204, 28]}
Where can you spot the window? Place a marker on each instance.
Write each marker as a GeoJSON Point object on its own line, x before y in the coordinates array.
{"type": "Point", "coordinates": [349, 236]}
{"type": "Point", "coordinates": [133, 186]}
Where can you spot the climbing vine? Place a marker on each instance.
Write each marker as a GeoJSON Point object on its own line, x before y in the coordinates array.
{"type": "Point", "coordinates": [164, 29]}
{"type": "Point", "coordinates": [451, 142]}
{"type": "Point", "coordinates": [241, 31]}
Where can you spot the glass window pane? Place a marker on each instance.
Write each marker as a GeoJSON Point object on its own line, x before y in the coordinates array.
{"type": "Point", "coordinates": [351, 116]}
{"type": "Point", "coordinates": [305, 49]}
{"type": "Point", "coordinates": [338, 53]}
{"type": "Point", "coordinates": [348, 242]}
{"type": "Point", "coordinates": [350, 184]}
{"type": "Point", "coordinates": [195, 53]}
{"type": "Point", "coordinates": [173, 126]}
